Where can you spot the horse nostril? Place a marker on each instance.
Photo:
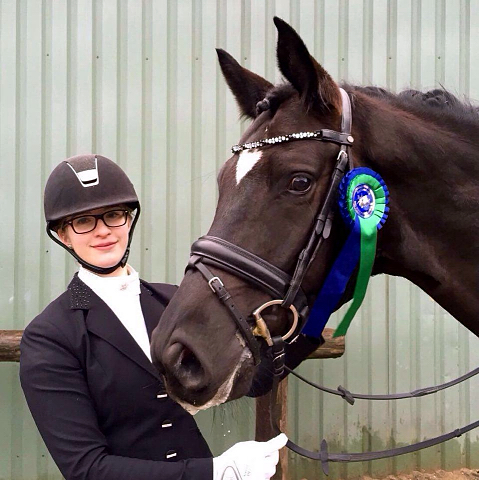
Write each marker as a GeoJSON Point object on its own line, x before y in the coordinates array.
{"type": "Point", "coordinates": [189, 363]}
{"type": "Point", "coordinates": [186, 366]}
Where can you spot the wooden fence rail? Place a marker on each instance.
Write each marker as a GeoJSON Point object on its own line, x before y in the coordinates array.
{"type": "Point", "coordinates": [10, 346]}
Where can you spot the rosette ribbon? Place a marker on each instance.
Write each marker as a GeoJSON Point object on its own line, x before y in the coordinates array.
{"type": "Point", "coordinates": [363, 202]}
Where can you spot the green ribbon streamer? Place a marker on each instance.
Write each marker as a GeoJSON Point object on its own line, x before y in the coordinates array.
{"type": "Point", "coordinates": [366, 262]}
{"type": "Point", "coordinates": [368, 241]}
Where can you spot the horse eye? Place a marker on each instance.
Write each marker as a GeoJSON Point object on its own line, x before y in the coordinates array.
{"type": "Point", "coordinates": [300, 184]}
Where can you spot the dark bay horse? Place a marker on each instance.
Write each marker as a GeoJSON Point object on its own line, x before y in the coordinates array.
{"type": "Point", "coordinates": [424, 146]}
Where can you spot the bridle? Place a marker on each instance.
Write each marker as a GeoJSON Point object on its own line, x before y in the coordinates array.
{"type": "Point", "coordinates": [286, 291]}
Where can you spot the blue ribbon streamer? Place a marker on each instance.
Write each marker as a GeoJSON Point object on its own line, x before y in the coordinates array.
{"type": "Point", "coordinates": [335, 283]}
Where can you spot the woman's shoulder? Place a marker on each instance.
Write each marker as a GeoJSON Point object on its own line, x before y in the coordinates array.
{"type": "Point", "coordinates": [59, 314]}
{"type": "Point", "coordinates": [53, 313]}
{"type": "Point", "coordinates": [56, 306]}
{"type": "Point", "coordinates": [163, 291]}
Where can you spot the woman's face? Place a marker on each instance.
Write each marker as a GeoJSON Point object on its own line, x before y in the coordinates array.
{"type": "Point", "coordinates": [104, 246]}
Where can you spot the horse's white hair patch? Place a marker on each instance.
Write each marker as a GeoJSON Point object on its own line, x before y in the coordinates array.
{"type": "Point", "coordinates": [246, 161]}
{"type": "Point", "coordinates": [223, 391]}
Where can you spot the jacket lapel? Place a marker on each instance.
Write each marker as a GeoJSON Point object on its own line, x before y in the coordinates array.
{"type": "Point", "coordinates": [152, 308]}
{"type": "Point", "coordinates": [101, 321]}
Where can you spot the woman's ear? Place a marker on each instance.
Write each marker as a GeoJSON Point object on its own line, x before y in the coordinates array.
{"type": "Point", "coordinates": [64, 237]}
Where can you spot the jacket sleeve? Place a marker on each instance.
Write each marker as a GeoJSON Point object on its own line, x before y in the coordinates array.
{"type": "Point", "coordinates": [57, 394]}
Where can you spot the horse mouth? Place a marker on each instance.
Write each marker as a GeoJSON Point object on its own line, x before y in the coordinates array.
{"type": "Point", "coordinates": [225, 392]}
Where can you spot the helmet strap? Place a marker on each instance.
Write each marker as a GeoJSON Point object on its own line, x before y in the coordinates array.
{"type": "Point", "coordinates": [95, 268]}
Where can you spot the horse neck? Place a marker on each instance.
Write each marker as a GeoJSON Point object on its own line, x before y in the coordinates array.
{"type": "Point", "coordinates": [433, 178]}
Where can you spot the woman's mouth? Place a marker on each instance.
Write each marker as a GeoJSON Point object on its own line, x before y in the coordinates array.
{"type": "Point", "coordinates": [104, 246]}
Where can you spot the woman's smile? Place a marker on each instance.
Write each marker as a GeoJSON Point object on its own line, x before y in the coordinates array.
{"type": "Point", "coordinates": [105, 245]}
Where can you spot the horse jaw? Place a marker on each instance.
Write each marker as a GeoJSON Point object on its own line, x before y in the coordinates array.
{"type": "Point", "coordinates": [223, 393]}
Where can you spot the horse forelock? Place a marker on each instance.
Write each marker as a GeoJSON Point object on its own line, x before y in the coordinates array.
{"type": "Point", "coordinates": [278, 95]}
{"type": "Point", "coordinates": [272, 121]}
{"type": "Point", "coordinates": [247, 159]}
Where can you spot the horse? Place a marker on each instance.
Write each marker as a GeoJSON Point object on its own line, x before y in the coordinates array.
{"type": "Point", "coordinates": [424, 146]}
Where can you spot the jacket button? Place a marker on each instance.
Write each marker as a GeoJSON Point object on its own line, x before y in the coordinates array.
{"type": "Point", "coordinates": [170, 454]}
{"type": "Point", "coordinates": [167, 424]}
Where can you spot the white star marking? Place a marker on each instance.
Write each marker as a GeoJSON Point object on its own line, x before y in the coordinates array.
{"type": "Point", "coordinates": [246, 161]}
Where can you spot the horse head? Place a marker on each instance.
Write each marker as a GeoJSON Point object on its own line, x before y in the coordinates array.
{"type": "Point", "coordinates": [273, 192]}
{"type": "Point", "coordinates": [269, 197]}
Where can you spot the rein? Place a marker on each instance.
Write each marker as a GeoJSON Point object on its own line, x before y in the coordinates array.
{"type": "Point", "coordinates": [286, 291]}
{"type": "Point", "coordinates": [323, 454]}
{"type": "Point", "coordinates": [420, 392]}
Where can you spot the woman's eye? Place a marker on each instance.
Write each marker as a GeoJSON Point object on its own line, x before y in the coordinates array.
{"type": "Point", "coordinates": [300, 184]}
{"type": "Point", "coordinates": [114, 215]}
{"type": "Point", "coordinates": [83, 220]}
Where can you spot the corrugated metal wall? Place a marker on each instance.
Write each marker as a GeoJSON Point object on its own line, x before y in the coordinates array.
{"type": "Point", "coordinates": [138, 81]}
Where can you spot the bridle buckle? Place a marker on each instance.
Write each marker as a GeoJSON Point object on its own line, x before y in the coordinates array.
{"type": "Point", "coordinates": [211, 280]}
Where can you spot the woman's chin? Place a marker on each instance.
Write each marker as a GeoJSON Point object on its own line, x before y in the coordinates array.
{"type": "Point", "coordinates": [105, 261]}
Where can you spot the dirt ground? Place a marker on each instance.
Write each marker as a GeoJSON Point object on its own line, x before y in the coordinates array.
{"type": "Point", "coordinates": [462, 474]}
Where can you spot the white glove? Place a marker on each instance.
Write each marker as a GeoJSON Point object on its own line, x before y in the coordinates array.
{"type": "Point", "coordinates": [249, 460]}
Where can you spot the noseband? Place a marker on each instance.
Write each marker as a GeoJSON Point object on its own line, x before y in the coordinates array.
{"type": "Point", "coordinates": [284, 289]}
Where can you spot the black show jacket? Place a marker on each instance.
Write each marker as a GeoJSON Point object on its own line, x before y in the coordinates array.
{"type": "Point", "coordinates": [97, 400]}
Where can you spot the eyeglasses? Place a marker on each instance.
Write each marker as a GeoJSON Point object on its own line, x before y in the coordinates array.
{"type": "Point", "coordinates": [88, 223]}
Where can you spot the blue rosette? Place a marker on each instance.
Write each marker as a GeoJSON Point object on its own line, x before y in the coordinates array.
{"type": "Point", "coordinates": [363, 200]}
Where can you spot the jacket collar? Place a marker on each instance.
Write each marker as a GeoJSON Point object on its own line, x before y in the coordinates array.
{"type": "Point", "coordinates": [151, 305]}
{"type": "Point", "coordinates": [101, 321]}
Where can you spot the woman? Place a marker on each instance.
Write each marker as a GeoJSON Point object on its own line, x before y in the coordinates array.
{"type": "Point", "coordinates": [85, 364]}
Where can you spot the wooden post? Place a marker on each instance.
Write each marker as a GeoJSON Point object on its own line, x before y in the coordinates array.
{"type": "Point", "coordinates": [263, 425]}
{"type": "Point", "coordinates": [332, 348]}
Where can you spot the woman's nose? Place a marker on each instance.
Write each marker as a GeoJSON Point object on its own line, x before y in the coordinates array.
{"type": "Point", "coordinates": [102, 228]}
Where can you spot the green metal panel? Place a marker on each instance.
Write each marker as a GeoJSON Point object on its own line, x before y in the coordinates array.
{"type": "Point", "coordinates": [138, 81]}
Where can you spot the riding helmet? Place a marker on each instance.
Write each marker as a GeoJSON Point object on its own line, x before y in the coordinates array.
{"type": "Point", "coordinates": [87, 182]}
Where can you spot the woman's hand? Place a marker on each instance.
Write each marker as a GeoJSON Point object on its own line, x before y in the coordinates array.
{"type": "Point", "coordinates": [249, 460]}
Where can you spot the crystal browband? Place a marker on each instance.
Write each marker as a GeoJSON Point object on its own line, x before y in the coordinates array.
{"type": "Point", "coordinates": [324, 135]}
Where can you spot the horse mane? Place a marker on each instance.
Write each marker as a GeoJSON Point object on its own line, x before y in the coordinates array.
{"type": "Point", "coordinates": [437, 105]}
{"type": "Point", "coordinates": [432, 104]}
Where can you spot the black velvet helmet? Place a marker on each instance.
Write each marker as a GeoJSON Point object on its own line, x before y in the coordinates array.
{"type": "Point", "coordinates": [87, 182]}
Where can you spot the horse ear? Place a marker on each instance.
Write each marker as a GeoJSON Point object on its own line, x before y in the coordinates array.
{"type": "Point", "coordinates": [247, 87]}
{"type": "Point", "coordinates": [308, 77]}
